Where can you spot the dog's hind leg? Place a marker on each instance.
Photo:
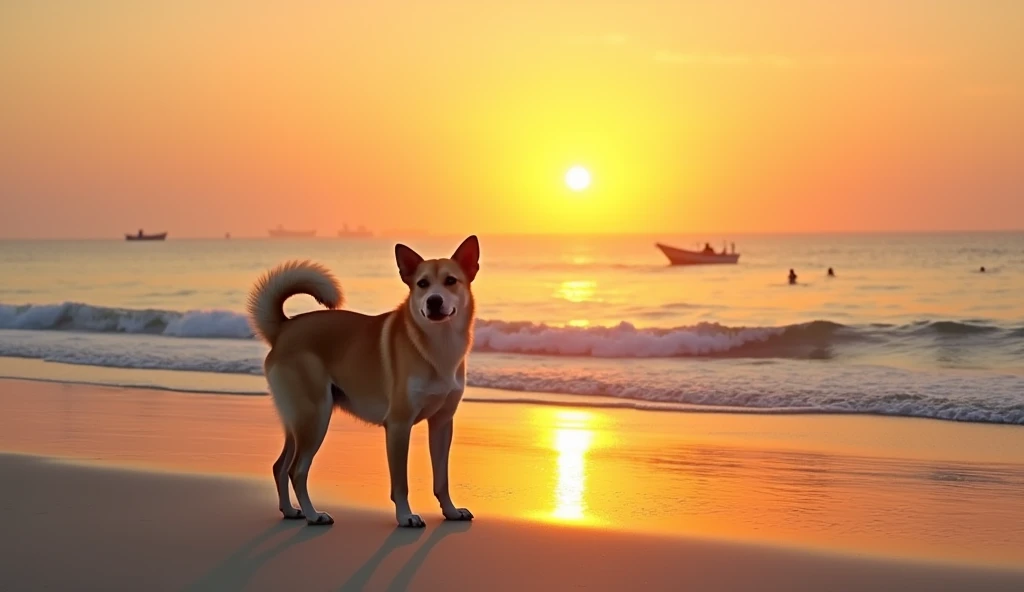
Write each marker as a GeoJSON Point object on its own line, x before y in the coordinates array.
{"type": "Point", "coordinates": [284, 462]}
{"type": "Point", "coordinates": [309, 434]}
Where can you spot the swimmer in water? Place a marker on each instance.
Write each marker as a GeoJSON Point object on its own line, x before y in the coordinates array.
{"type": "Point", "coordinates": [792, 276]}
{"type": "Point", "coordinates": [831, 273]}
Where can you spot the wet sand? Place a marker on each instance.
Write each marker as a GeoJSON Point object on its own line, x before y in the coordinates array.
{"type": "Point", "coordinates": [173, 491]}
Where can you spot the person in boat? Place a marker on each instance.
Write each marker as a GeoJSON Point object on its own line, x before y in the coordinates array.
{"type": "Point", "coordinates": [708, 249]}
{"type": "Point", "coordinates": [831, 273]}
{"type": "Point", "coordinates": [792, 276]}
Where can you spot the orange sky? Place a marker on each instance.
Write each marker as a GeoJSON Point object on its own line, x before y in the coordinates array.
{"type": "Point", "coordinates": [460, 116]}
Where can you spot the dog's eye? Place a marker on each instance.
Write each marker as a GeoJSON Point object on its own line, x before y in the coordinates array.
{"type": "Point", "coordinates": [450, 281]}
{"type": "Point", "coordinates": [424, 283]}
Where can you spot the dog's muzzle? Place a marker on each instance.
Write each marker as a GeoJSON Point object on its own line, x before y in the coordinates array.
{"type": "Point", "coordinates": [435, 309]}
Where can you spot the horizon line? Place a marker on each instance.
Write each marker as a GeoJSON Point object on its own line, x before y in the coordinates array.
{"type": "Point", "coordinates": [549, 234]}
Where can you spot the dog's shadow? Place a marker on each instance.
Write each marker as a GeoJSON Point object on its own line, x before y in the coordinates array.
{"type": "Point", "coordinates": [234, 572]}
{"type": "Point", "coordinates": [402, 537]}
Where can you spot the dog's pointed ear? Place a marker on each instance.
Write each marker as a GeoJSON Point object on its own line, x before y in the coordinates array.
{"type": "Point", "coordinates": [468, 257]}
{"type": "Point", "coordinates": [408, 260]}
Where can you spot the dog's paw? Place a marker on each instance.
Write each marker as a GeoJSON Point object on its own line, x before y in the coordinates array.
{"type": "Point", "coordinates": [292, 514]}
{"type": "Point", "coordinates": [411, 521]}
{"type": "Point", "coordinates": [321, 519]}
{"type": "Point", "coordinates": [460, 514]}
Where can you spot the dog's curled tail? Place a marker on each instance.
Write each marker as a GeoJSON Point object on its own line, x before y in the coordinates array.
{"type": "Point", "coordinates": [266, 300]}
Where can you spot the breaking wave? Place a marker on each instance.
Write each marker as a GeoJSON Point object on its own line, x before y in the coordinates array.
{"type": "Point", "coordinates": [75, 316]}
{"type": "Point", "coordinates": [625, 340]}
{"type": "Point", "coordinates": [760, 369]}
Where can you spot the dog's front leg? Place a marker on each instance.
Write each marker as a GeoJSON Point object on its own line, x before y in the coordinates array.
{"type": "Point", "coordinates": [398, 464]}
{"type": "Point", "coordinates": [441, 428]}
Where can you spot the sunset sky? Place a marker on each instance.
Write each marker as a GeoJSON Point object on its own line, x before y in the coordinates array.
{"type": "Point", "coordinates": [459, 116]}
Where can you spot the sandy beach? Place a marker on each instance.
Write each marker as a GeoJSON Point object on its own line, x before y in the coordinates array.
{"type": "Point", "coordinates": [121, 489]}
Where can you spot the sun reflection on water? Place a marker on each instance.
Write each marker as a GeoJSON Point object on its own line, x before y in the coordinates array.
{"type": "Point", "coordinates": [577, 290]}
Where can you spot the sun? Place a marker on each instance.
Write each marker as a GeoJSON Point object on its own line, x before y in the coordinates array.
{"type": "Point", "coordinates": [577, 178]}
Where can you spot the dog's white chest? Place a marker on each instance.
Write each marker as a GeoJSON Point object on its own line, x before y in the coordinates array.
{"type": "Point", "coordinates": [435, 386]}
{"type": "Point", "coordinates": [428, 396]}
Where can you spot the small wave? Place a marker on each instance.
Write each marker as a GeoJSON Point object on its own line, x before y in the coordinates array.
{"type": "Point", "coordinates": [627, 341]}
{"type": "Point", "coordinates": [955, 328]}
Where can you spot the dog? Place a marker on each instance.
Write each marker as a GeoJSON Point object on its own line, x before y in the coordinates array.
{"type": "Point", "coordinates": [393, 370]}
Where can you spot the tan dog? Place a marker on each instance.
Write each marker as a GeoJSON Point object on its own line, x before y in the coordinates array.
{"type": "Point", "coordinates": [394, 369]}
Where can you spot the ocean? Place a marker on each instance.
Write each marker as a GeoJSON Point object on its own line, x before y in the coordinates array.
{"type": "Point", "coordinates": [909, 326]}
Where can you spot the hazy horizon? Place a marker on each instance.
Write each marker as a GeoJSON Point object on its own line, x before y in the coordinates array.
{"type": "Point", "coordinates": [458, 117]}
{"type": "Point", "coordinates": [712, 236]}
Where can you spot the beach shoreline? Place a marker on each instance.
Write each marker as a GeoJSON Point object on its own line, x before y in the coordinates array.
{"type": "Point", "coordinates": [888, 488]}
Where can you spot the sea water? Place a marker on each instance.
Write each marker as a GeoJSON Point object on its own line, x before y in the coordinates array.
{"type": "Point", "coordinates": [908, 326]}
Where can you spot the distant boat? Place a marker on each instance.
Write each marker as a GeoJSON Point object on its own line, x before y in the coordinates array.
{"type": "Point", "coordinates": [360, 232]}
{"type": "Point", "coordinates": [142, 236]}
{"type": "Point", "coordinates": [281, 232]}
{"type": "Point", "coordinates": [678, 256]}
